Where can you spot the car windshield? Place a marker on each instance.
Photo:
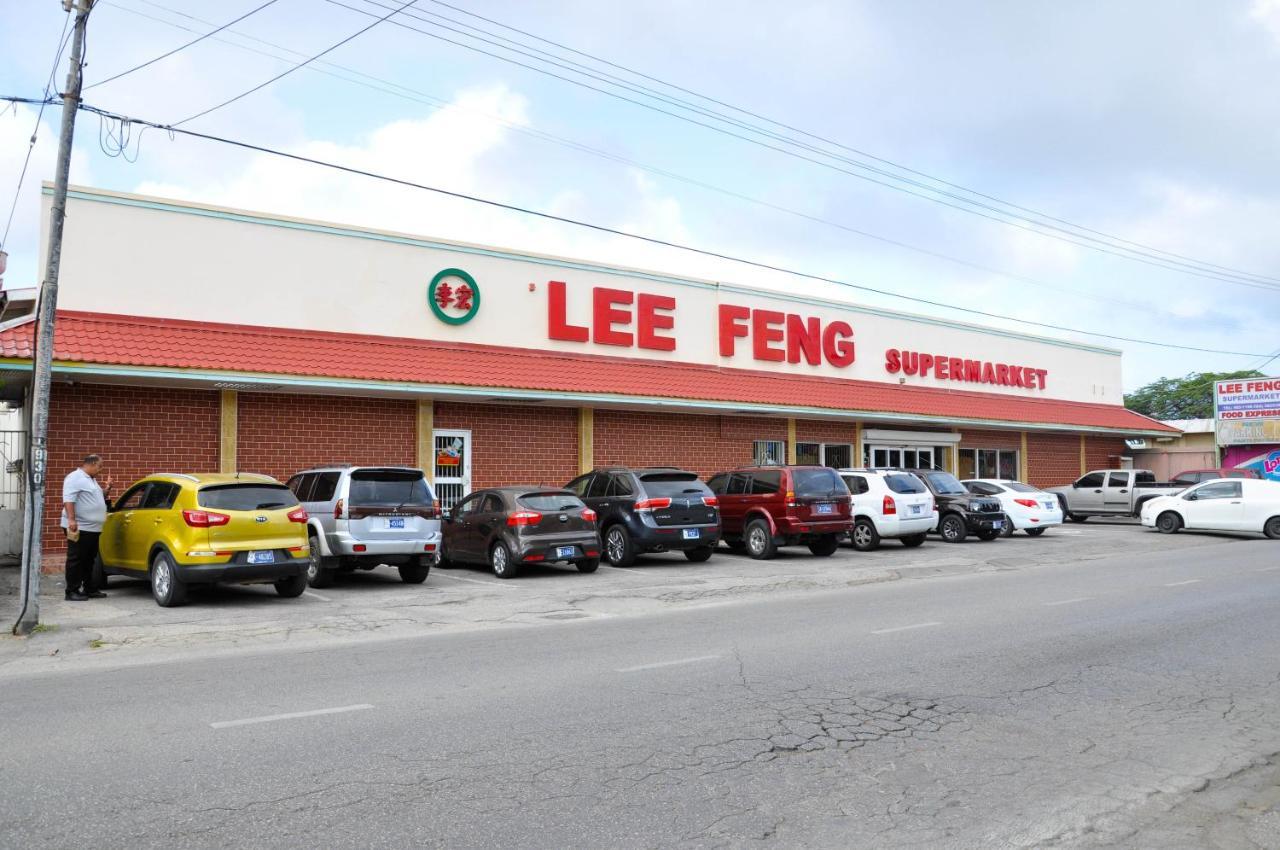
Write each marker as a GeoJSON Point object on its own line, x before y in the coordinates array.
{"type": "Point", "coordinates": [1019, 487]}
{"type": "Point", "coordinates": [817, 482]}
{"type": "Point", "coordinates": [246, 497]}
{"type": "Point", "coordinates": [674, 484]}
{"type": "Point", "coordinates": [389, 487]}
{"type": "Point", "coordinates": [552, 501]}
{"type": "Point", "coordinates": [900, 483]}
{"type": "Point", "coordinates": [945, 484]}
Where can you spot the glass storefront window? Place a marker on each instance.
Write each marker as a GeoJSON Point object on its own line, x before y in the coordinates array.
{"type": "Point", "coordinates": [988, 463]}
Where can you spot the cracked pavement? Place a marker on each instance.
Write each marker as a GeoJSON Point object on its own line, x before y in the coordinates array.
{"type": "Point", "coordinates": [1090, 702]}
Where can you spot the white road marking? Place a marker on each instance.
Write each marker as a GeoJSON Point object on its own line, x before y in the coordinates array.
{"type": "Point", "coordinates": [319, 596]}
{"type": "Point", "coordinates": [1181, 583]}
{"type": "Point", "coordinates": [1267, 569]}
{"type": "Point", "coordinates": [502, 583]}
{"type": "Point", "coordinates": [905, 628]}
{"type": "Point", "coordinates": [271, 718]}
{"type": "Point", "coordinates": [658, 664]}
{"type": "Point", "coordinates": [626, 569]}
{"type": "Point", "coordinates": [1068, 601]}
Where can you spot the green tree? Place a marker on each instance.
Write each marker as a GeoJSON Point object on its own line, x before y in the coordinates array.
{"type": "Point", "coordinates": [1181, 398]}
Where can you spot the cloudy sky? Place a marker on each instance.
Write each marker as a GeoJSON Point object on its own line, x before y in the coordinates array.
{"type": "Point", "coordinates": [1151, 121]}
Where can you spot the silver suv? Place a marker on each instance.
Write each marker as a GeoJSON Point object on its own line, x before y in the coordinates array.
{"type": "Point", "coordinates": [361, 517]}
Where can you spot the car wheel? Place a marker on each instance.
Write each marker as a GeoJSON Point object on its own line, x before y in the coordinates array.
{"type": "Point", "coordinates": [911, 541]}
{"type": "Point", "coordinates": [588, 565]}
{"type": "Point", "coordinates": [1077, 517]}
{"type": "Point", "coordinates": [952, 528]}
{"type": "Point", "coordinates": [1169, 522]}
{"type": "Point", "coordinates": [166, 587]}
{"type": "Point", "coordinates": [864, 535]}
{"type": "Point", "coordinates": [1036, 532]}
{"type": "Point", "coordinates": [699, 555]}
{"type": "Point", "coordinates": [988, 536]}
{"type": "Point", "coordinates": [292, 587]}
{"type": "Point", "coordinates": [319, 574]}
{"type": "Point", "coordinates": [500, 561]}
{"type": "Point", "coordinates": [1006, 527]}
{"type": "Point", "coordinates": [618, 549]}
{"type": "Point", "coordinates": [760, 541]}
{"type": "Point", "coordinates": [826, 545]}
{"type": "Point", "coordinates": [416, 571]}
{"type": "Point", "coordinates": [1272, 528]}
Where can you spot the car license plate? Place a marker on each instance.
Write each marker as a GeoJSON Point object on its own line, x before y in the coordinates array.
{"type": "Point", "coordinates": [395, 523]}
{"type": "Point", "coordinates": [824, 508]}
{"type": "Point", "coordinates": [691, 534]}
{"type": "Point", "coordinates": [997, 523]}
{"type": "Point", "coordinates": [267, 557]}
{"type": "Point", "coordinates": [915, 509]}
{"type": "Point", "coordinates": [1048, 506]}
{"type": "Point", "coordinates": [564, 551]}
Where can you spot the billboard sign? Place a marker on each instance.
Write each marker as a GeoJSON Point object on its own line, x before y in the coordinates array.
{"type": "Point", "coordinates": [1246, 411]}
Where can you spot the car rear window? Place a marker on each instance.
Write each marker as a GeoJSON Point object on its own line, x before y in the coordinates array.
{"type": "Point", "coordinates": [1019, 487]}
{"type": "Point", "coordinates": [552, 501]}
{"type": "Point", "coordinates": [389, 487]}
{"type": "Point", "coordinates": [817, 482]}
{"type": "Point", "coordinates": [905, 484]}
{"type": "Point", "coordinates": [945, 484]}
{"type": "Point", "coordinates": [673, 484]}
{"type": "Point", "coordinates": [246, 497]}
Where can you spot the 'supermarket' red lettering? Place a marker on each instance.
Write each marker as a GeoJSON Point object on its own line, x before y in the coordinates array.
{"type": "Point", "coordinates": [946, 368]}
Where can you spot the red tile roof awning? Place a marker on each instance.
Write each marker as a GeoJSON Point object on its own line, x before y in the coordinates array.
{"type": "Point", "coordinates": [131, 341]}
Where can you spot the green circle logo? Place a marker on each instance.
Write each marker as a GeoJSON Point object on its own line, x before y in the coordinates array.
{"type": "Point", "coordinates": [454, 296]}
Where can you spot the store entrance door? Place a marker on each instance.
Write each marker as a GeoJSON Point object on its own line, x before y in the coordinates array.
{"type": "Point", "coordinates": [452, 461]}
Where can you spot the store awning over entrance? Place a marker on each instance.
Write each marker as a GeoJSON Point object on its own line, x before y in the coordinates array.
{"type": "Point", "coordinates": [112, 345]}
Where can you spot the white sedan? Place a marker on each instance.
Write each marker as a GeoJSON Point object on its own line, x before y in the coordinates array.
{"type": "Point", "coordinates": [1027, 508]}
{"type": "Point", "coordinates": [1220, 505]}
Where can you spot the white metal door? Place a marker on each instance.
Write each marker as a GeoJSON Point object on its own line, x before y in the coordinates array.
{"type": "Point", "coordinates": [451, 459]}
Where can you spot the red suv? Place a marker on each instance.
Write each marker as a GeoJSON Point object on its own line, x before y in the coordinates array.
{"type": "Point", "coordinates": [764, 507]}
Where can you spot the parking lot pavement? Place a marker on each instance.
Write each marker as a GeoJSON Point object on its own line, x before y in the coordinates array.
{"type": "Point", "coordinates": [128, 627]}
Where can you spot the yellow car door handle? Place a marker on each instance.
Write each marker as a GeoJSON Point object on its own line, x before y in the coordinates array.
{"type": "Point", "coordinates": [157, 521]}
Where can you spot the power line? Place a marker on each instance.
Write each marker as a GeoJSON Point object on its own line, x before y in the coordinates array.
{"type": "Point", "coordinates": [302, 64]}
{"type": "Point", "coordinates": [636, 236]}
{"type": "Point", "coordinates": [994, 214]}
{"type": "Point", "coordinates": [31, 146]}
{"type": "Point", "coordinates": [418, 96]}
{"type": "Point", "coordinates": [195, 41]}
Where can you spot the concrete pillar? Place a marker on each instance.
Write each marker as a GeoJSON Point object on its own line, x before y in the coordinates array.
{"type": "Point", "coordinates": [586, 439]}
{"type": "Point", "coordinates": [228, 432]}
{"type": "Point", "coordinates": [425, 440]}
{"type": "Point", "coordinates": [791, 440]}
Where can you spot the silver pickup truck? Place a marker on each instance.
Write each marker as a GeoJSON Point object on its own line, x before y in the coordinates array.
{"type": "Point", "coordinates": [1111, 492]}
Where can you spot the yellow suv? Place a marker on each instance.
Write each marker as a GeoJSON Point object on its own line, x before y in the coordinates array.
{"type": "Point", "coordinates": [177, 530]}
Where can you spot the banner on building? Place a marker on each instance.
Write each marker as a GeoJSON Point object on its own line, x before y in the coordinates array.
{"type": "Point", "coordinates": [1247, 411]}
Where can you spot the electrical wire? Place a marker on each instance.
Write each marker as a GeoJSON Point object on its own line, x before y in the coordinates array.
{"type": "Point", "coordinates": [295, 67]}
{"type": "Point", "coordinates": [191, 43]}
{"type": "Point", "coordinates": [599, 228]}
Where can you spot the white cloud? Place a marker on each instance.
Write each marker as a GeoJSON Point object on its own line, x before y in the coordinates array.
{"type": "Point", "coordinates": [1267, 13]}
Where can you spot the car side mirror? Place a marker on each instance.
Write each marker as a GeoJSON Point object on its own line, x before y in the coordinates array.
{"type": "Point", "coordinates": [1190, 497]}
{"type": "Point", "coordinates": [1075, 485]}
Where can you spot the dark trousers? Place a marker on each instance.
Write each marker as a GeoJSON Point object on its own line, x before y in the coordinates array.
{"type": "Point", "coordinates": [80, 557]}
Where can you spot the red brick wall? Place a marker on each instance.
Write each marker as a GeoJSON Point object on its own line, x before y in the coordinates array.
{"type": "Point", "coordinates": [516, 444]}
{"type": "Point", "coordinates": [1052, 459]}
{"type": "Point", "coordinates": [279, 434]}
{"type": "Point", "coordinates": [138, 431]}
{"type": "Point", "coordinates": [825, 431]}
{"type": "Point", "coordinates": [1104, 452]}
{"type": "Point", "coordinates": [974, 439]}
{"type": "Point", "coordinates": [704, 444]}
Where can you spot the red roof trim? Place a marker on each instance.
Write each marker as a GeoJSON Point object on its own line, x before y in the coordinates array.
{"type": "Point", "coordinates": [117, 340]}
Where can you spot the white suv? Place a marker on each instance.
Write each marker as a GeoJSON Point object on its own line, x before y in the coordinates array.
{"type": "Point", "coordinates": [888, 504]}
{"type": "Point", "coordinates": [360, 517]}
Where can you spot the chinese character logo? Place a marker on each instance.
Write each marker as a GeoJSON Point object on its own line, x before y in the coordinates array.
{"type": "Point", "coordinates": [453, 296]}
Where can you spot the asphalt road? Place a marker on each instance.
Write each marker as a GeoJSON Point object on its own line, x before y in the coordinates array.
{"type": "Point", "coordinates": [1124, 702]}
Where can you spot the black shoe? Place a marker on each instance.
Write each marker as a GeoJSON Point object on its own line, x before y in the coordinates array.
{"type": "Point", "coordinates": [95, 594]}
{"type": "Point", "coordinates": [76, 596]}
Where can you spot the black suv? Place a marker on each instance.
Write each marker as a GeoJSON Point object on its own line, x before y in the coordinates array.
{"type": "Point", "coordinates": [650, 510]}
{"type": "Point", "coordinates": [960, 512]}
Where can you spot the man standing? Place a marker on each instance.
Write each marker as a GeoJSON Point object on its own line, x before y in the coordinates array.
{"type": "Point", "coordinates": [84, 510]}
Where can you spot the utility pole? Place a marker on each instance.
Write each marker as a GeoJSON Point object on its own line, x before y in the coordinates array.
{"type": "Point", "coordinates": [42, 361]}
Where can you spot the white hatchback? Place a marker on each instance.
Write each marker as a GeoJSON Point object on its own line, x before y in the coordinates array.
{"type": "Point", "coordinates": [1221, 505]}
{"type": "Point", "coordinates": [1025, 507]}
{"type": "Point", "coordinates": [888, 504]}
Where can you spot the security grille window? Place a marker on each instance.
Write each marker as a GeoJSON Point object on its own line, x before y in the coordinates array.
{"type": "Point", "coordinates": [769, 451]}
{"type": "Point", "coordinates": [988, 463]}
{"type": "Point", "coordinates": [834, 455]}
{"type": "Point", "coordinates": [809, 453]}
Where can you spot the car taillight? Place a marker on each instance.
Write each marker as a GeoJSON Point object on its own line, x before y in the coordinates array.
{"type": "Point", "coordinates": [1026, 503]}
{"type": "Point", "coordinates": [791, 499]}
{"type": "Point", "coordinates": [521, 518]}
{"type": "Point", "coordinates": [204, 519]}
{"type": "Point", "coordinates": [653, 504]}
{"type": "Point", "coordinates": [337, 509]}
{"type": "Point", "coordinates": [888, 507]}
{"type": "Point", "coordinates": [589, 515]}
{"type": "Point", "coordinates": [298, 514]}
{"type": "Point", "coordinates": [710, 501]}
{"type": "Point", "coordinates": [433, 512]}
